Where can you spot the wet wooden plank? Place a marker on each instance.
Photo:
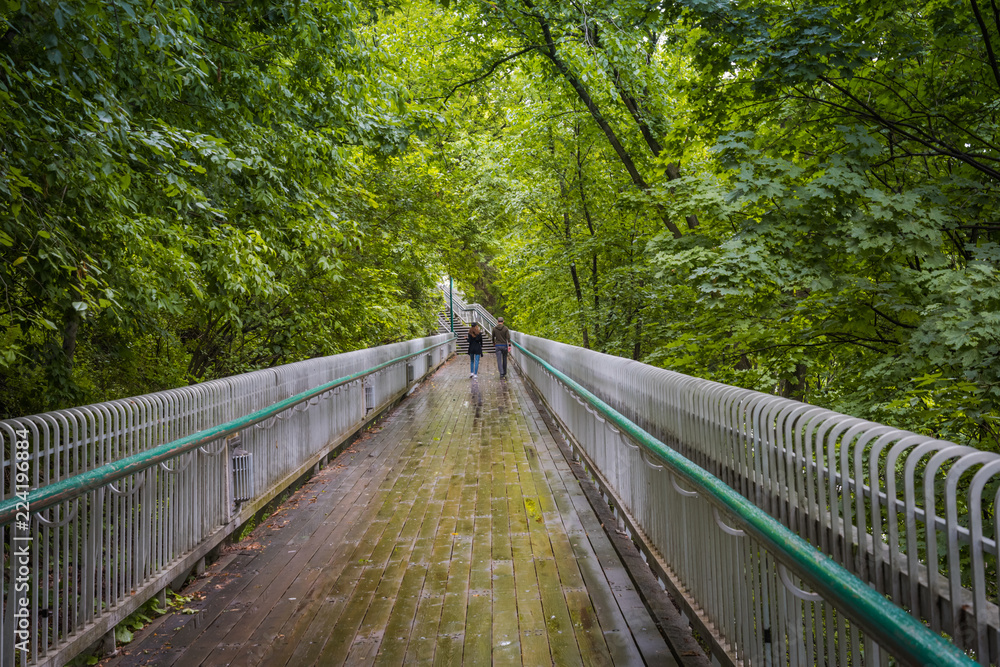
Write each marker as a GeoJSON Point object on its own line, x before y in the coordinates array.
{"type": "Point", "coordinates": [478, 647]}
{"type": "Point", "coordinates": [274, 556]}
{"type": "Point", "coordinates": [278, 604]}
{"type": "Point", "coordinates": [370, 633]}
{"type": "Point", "coordinates": [612, 591]}
{"type": "Point", "coordinates": [338, 591]}
{"type": "Point", "coordinates": [506, 635]}
{"type": "Point", "coordinates": [347, 566]}
{"type": "Point", "coordinates": [303, 632]}
{"type": "Point", "coordinates": [606, 572]}
{"type": "Point", "coordinates": [465, 540]}
{"type": "Point", "coordinates": [436, 539]}
{"type": "Point", "coordinates": [558, 624]}
{"type": "Point", "coordinates": [530, 617]}
{"type": "Point", "coordinates": [260, 555]}
{"type": "Point", "coordinates": [498, 508]}
{"type": "Point", "coordinates": [339, 644]}
{"type": "Point", "coordinates": [384, 572]}
{"type": "Point", "coordinates": [413, 546]}
{"type": "Point", "coordinates": [451, 633]}
{"type": "Point", "coordinates": [570, 558]}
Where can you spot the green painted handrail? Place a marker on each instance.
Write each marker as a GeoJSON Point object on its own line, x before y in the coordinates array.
{"type": "Point", "coordinates": [890, 626]}
{"type": "Point", "coordinates": [77, 485]}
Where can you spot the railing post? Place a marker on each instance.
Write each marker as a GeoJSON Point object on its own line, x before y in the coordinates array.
{"type": "Point", "coordinates": [451, 306]}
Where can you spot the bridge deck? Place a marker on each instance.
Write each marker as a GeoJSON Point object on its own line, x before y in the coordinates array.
{"type": "Point", "coordinates": [454, 534]}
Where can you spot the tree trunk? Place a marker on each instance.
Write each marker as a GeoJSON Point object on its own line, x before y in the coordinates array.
{"type": "Point", "coordinates": [568, 240]}
{"type": "Point", "coordinates": [549, 50]}
{"type": "Point", "coordinates": [637, 343]}
{"type": "Point", "coordinates": [632, 104]}
{"type": "Point", "coordinates": [594, 286]}
{"type": "Point", "coordinates": [796, 386]}
{"type": "Point", "coordinates": [71, 330]}
{"type": "Point", "coordinates": [580, 305]}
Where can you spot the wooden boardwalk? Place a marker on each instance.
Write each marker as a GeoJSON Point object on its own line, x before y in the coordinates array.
{"type": "Point", "coordinates": [455, 533]}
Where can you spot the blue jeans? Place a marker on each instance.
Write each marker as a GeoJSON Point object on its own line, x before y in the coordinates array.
{"type": "Point", "coordinates": [502, 359]}
{"type": "Point", "coordinates": [474, 363]}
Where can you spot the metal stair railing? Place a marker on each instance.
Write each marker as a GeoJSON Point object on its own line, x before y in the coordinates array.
{"type": "Point", "coordinates": [470, 312]}
{"type": "Point", "coordinates": [103, 506]}
{"type": "Point", "coordinates": [852, 498]}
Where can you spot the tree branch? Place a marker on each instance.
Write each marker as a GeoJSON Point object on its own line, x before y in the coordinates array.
{"type": "Point", "coordinates": [906, 130]}
{"type": "Point", "coordinates": [996, 14]}
{"type": "Point", "coordinates": [886, 317]}
{"type": "Point", "coordinates": [987, 41]}
{"type": "Point", "coordinates": [488, 72]}
{"type": "Point", "coordinates": [574, 81]}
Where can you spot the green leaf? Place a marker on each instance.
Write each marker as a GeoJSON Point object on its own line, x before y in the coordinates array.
{"type": "Point", "coordinates": [123, 635]}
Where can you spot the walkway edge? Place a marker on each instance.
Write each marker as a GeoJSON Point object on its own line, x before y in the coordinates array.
{"type": "Point", "coordinates": [661, 604]}
{"type": "Point", "coordinates": [85, 640]}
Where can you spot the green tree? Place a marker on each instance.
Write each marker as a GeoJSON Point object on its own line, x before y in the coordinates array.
{"type": "Point", "coordinates": [185, 176]}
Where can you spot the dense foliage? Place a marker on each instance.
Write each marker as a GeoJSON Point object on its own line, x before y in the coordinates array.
{"type": "Point", "coordinates": [798, 199]}
{"type": "Point", "coordinates": [192, 189]}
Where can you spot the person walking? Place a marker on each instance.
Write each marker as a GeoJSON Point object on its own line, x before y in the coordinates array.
{"type": "Point", "coordinates": [475, 349]}
{"type": "Point", "coordinates": [501, 341]}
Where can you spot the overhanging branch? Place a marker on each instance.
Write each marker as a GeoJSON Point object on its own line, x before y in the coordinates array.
{"type": "Point", "coordinates": [487, 73]}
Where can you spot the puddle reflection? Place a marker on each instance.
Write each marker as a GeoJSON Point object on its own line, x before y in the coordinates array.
{"type": "Point", "coordinates": [477, 400]}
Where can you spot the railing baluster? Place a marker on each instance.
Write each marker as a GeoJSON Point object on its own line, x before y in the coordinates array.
{"type": "Point", "coordinates": [815, 472]}
{"type": "Point", "coordinates": [104, 530]}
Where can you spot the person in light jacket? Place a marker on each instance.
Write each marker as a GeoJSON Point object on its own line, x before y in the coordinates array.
{"type": "Point", "coordinates": [475, 349]}
{"type": "Point", "coordinates": [501, 341]}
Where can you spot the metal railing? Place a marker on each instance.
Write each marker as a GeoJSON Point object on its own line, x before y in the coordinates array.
{"type": "Point", "coordinates": [734, 494]}
{"type": "Point", "coordinates": [669, 451]}
{"type": "Point", "coordinates": [469, 312]}
{"type": "Point", "coordinates": [104, 505]}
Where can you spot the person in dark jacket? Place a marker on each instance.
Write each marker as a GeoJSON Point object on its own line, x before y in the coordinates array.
{"type": "Point", "coordinates": [501, 341]}
{"type": "Point", "coordinates": [475, 349]}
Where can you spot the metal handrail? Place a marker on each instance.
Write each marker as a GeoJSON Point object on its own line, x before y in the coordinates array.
{"type": "Point", "coordinates": [914, 517]}
{"type": "Point", "coordinates": [77, 485]}
{"type": "Point", "coordinates": [101, 523]}
{"type": "Point", "coordinates": [484, 316]}
{"type": "Point", "coordinates": [887, 624]}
